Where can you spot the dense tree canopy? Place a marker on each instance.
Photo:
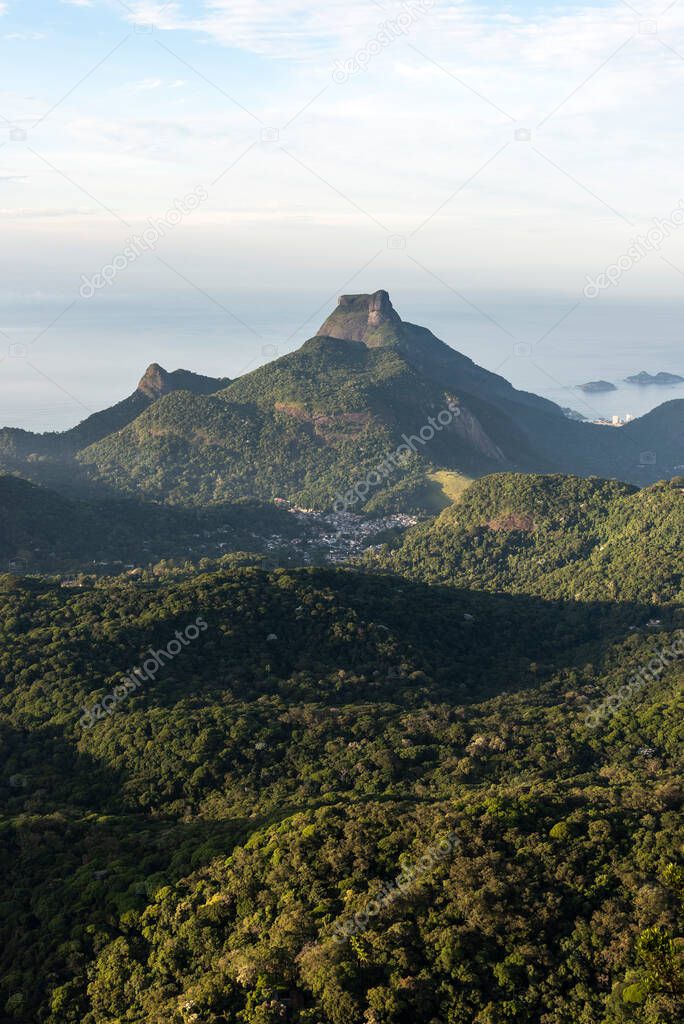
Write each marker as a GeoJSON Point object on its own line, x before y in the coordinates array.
{"type": "Point", "coordinates": [220, 848]}
{"type": "Point", "coordinates": [556, 536]}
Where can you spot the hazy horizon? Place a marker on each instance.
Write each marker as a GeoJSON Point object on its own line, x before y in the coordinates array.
{"type": "Point", "coordinates": [96, 353]}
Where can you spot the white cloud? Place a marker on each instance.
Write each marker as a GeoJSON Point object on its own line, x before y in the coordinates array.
{"type": "Point", "coordinates": [514, 54]}
{"type": "Point", "coordinates": [23, 36]}
{"type": "Point", "coordinates": [152, 84]}
{"type": "Point", "coordinates": [44, 214]}
{"type": "Point", "coordinates": [147, 84]}
{"type": "Point", "coordinates": [292, 29]}
{"type": "Point", "coordinates": [298, 29]}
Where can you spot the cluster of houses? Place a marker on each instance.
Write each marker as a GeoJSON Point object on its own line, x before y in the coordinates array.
{"type": "Point", "coordinates": [336, 536]}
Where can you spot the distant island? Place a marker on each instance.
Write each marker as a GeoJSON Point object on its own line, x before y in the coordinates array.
{"type": "Point", "coordinates": [596, 386]}
{"type": "Point", "coordinates": [644, 379]}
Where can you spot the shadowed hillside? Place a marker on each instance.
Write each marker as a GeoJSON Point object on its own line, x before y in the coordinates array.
{"type": "Point", "coordinates": [210, 844]}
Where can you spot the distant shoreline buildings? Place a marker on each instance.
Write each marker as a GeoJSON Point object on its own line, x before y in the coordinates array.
{"type": "Point", "coordinates": [615, 421]}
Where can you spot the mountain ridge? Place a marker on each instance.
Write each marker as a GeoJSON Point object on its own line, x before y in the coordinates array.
{"type": "Point", "coordinates": [313, 422]}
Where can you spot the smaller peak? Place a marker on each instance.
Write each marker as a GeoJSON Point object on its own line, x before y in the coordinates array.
{"type": "Point", "coordinates": [155, 381]}
{"type": "Point", "coordinates": [360, 317]}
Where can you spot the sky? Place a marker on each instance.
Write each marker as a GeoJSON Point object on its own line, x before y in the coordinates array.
{"type": "Point", "coordinates": [256, 157]}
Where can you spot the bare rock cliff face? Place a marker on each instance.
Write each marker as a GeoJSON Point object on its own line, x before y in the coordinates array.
{"type": "Point", "coordinates": [155, 381]}
{"type": "Point", "coordinates": [361, 317]}
{"type": "Point", "coordinates": [471, 430]}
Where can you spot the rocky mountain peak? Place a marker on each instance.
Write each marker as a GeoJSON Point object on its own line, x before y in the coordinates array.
{"type": "Point", "coordinates": [366, 318]}
{"type": "Point", "coordinates": [155, 381]}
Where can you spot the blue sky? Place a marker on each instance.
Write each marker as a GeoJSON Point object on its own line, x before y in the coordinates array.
{"type": "Point", "coordinates": [464, 148]}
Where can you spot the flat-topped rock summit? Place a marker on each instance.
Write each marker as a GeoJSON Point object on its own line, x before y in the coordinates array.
{"type": "Point", "coordinates": [371, 319]}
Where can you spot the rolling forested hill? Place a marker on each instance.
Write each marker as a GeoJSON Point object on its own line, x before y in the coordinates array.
{"type": "Point", "coordinates": [42, 531]}
{"type": "Point", "coordinates": [554, 536]}
{"type": "Point", "coordinates": [345, 798]}
{"type": "Point", "coordinates": [49, 458]}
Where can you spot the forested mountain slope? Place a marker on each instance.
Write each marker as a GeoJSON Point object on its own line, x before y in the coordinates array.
{"type": "Point", "coordinates": [208, 848]}
{"type": "Point", "coordinates": [42, 531]}
{"type": "Point", "coordinates": [554, 536]}
{"type": "Point", "coordinates": [48, 458]}
{"type": "Point", "coordinates": [307, 426]}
